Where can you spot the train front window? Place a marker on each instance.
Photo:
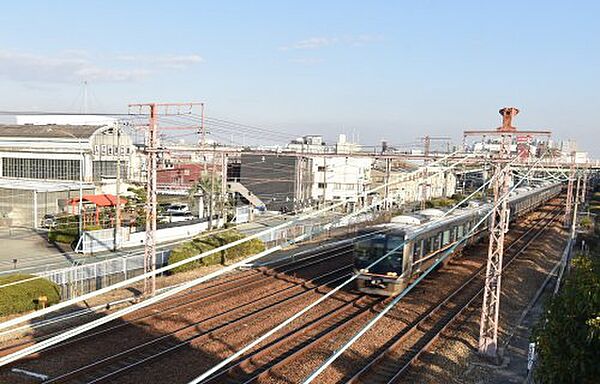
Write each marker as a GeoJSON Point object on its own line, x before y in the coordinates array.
{"type": "Point", "coordinates": [396, 250]}
{"type": "Point", "coordinates": [395, 244]}
{"type": "Point", "coordinates": [370, 249]}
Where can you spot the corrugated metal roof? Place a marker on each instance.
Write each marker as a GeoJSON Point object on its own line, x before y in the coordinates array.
{"type": "Point", "coordinates": [48, 131]}
{"type": "Point", "coordinates": [42, 185]}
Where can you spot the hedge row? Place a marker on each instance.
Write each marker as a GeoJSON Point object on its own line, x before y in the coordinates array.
{"type": "Point", "coordinates": [23, 297]}
{"type": "Point", "coordinates": [206, 243]}
{"type": "Point", "coordinates": [67, 230]}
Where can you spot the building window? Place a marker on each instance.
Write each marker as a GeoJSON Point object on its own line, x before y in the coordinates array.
{"type": "Point", "coordinates": [321, 168]}
{"type": "Point", "coordinates": [110, 150]}
{"type": "Point", "coordinates": [108, 169]}
{"type": "Point", "coordinates": [321, 185]}
{"type": "Point", "coordinates": [50, 169]}
{"type": "Point", "coordinates": [96, 149]}
{"type": "Point", "coordinates": [104, 149]}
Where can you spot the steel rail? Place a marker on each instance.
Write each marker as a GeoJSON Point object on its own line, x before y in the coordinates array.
{"type": "Point", "coordinates": [255, 311]}
{"type": "Point", "coordinates": [228, 286]}
{"type": "Point", "coordinates": [332, 322]}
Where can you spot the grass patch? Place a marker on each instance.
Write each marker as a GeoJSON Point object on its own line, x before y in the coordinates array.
{"type": "Point", "coordinates": [23, 297]}
{"type": "Point", "coordinates": [206, 243]}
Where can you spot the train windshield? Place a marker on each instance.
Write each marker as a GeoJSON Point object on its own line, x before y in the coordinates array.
{"type": "Point", "coordinates": [373, 248]}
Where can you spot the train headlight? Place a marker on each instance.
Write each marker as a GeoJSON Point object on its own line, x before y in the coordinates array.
{"type": "Point", "coordinates": [364, 270]}
{"type": "Point", "coordinates": [392, 274]}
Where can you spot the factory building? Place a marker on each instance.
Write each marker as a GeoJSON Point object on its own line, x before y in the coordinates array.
{"type": "Point", "coordinates": [43, 165]}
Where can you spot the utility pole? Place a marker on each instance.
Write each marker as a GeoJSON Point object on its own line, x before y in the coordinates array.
{"type": "Point", "coordinates": [426, 151]}
{"type": "Point", "coordinates": [212, 189]}
{"type": "Point", "coordinates": [152, 155]}
{"type": "Point", "coordinates": [388, 167]}
{"type": "Point", "coordinates": [118, 191]}
{"type": "Point", "coordinates": [152, 151]}
{"type": "Point", "coordinates": [223, 186]}
{"type": "Point", "coordinates": [488, 335]}
{"type": "Point", "coordinates": [569, 202]}
{"type": "Point", "coordinates": [324, 198]}
{"type": "Point", "coordinates": [584, 186]}
{"type": "Point", "coordinates": [202, 127]}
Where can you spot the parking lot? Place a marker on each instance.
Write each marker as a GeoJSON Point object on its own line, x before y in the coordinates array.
{"type": "Point", "coordinates": [30, 248]}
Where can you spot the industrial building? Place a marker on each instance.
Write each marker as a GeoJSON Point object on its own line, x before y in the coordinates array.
{"type": "Point", "coordinates": [41, 166]}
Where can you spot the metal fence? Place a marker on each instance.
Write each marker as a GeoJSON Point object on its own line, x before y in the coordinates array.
{"type": "Point", "coordinates": [80, 279]}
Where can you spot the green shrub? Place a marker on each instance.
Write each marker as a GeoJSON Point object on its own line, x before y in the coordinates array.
{"type": "Point", "coordinates": [568, 334]}
{"type": "Point", "coordinates": [586, 222]}
{"type": "Point", "coordinates": [206, 243]}
{"type": "Point", "coordinates": [22, 297]}
{"type": "Point", "coordinates": [440, 202]}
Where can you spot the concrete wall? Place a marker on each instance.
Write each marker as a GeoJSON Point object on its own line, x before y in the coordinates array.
{"type": "Point", "coordinates": [103, 239]}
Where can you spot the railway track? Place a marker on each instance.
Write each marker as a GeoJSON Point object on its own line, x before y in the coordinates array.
{"type": "Point", "coordinates": [351, 310]}
{"type": "Point", "coordinates": [401, 352]}
{"type": "Point", "coordinates": [205, 330]}
{"type": "Point", "coordinates": [283, 271]}
{"type": "Point", "coordinates": [261, 363]}
{"type": "Point", "coordinates": [294, 289]}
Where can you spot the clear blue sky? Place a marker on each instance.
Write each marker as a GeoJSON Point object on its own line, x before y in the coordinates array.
{"type": "Point", "coordinates": [393, 70]}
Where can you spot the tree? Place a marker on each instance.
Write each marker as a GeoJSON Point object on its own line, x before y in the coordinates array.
{"type": "Point", "coordinates": [568, 334]}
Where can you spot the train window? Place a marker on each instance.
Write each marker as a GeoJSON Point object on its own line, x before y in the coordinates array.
{"type": "Point", "coordinates": [460, 231]}
{"type": "Point", "coordinates": [362, 250]}
{"type": "Point", "coordinates": [393, 243]}
{"type": "Point", "coordinates": [429, 245]}
{"type": "Point", "coordinates": [446, 238]}
{"type": "Point", "coordinates": [418, 249]}
{"type": "Point", "coordinates": [370, 249]}
{"type": "Point", "coordinates": [438, 241]}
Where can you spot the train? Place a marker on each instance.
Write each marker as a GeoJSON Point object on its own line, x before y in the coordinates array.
{"type": "Point", "coordinates": [418, 238]}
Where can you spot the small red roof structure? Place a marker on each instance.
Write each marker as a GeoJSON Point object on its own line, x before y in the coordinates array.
{"type": "Point", "coordinates": [103, 200]}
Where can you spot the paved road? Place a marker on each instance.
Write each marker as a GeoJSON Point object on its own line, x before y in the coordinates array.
{"type": "Point", "coordinates": [34, 253]}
